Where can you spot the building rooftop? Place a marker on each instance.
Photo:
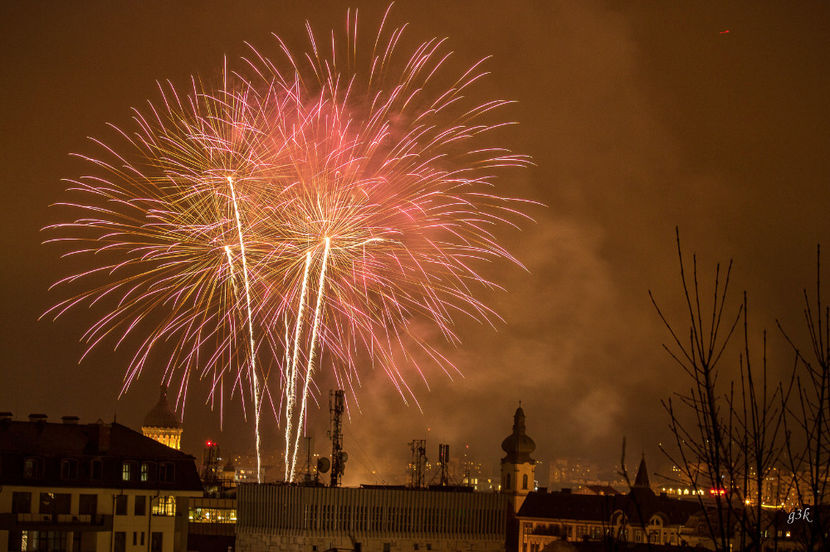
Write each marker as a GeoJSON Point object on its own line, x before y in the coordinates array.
{"type": "Point", "coordinates": [640, 503]}
{"type": "Point", "coordinates": [518, 445]}
{"type": "Point", "coordinates": [161, 415]}
{"type": "Point", "coordinates": [36, 452]}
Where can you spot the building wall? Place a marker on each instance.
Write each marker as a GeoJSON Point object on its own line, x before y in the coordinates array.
{"type": "Point", "coordinates": [260, 542]}
{"type": "Point", "coordinates": [513, 482]}
{"type": "Point", "coordinates": [169, 437]}
{"type": "Point", "coordinates": [275, 517]}
{"type": "Point", "coordinates": [97, 533]}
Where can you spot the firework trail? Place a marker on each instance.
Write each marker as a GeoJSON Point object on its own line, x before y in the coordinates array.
{"type": "Point", "coordinates": [356, 189]}
{"type": "Point", "coordinates": [255, 391]}
{"type": "Point", "coordinates": [160, 230]}
{"type": "Point", "coordinates": [382, 191]}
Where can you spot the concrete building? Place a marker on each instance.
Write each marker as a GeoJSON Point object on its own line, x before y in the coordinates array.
{"type": "Point", "coordinates": [161, 423]}
{"type": "Point", "coordinates": [281, 518]}
{"type": "Point", "coordinates": [70, 487]}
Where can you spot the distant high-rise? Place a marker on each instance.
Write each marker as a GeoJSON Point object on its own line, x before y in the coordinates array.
{"type": "Point", "coordinates": [162, 424]}
{"type": "Point", "coordinates": [517, 467]}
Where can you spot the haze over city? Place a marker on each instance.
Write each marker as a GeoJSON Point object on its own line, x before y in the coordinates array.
{"type": "Point", "coordinates": [639, 119]}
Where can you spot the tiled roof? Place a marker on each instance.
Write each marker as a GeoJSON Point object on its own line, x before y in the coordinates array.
{"type": "Point", "coordinates": [599, 508]}
{"type": "Point", "coordinates": [112, 444]}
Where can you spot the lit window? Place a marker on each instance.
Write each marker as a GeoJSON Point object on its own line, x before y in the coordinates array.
{"type": "Point", "coordinates": [145, 472]}
{"type": "Point", "coordinates": [164, 506]}
{"type": "Point", "coordinates": [125, 471]}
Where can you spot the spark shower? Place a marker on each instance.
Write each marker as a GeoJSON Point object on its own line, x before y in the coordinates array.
{"type": "Point", "coordinates": [298, 214]}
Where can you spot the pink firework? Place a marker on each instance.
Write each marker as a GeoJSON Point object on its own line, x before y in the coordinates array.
{"type": "Point", "coordinates": [305, 214]}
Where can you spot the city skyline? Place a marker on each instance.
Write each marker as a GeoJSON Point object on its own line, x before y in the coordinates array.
{"type": "Point", "coordinates": [638, 120]}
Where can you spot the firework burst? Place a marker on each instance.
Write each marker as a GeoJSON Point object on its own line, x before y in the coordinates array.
{"type": "Point", "coordinates": [302, 215]}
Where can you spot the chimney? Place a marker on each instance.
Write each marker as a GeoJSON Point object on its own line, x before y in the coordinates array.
{"type": "Point", "coordinates": [5, 416]}
{"type": "Point", "coordinates": [70, 420]}
{"type": "Point", "coordinates": [37, 417]}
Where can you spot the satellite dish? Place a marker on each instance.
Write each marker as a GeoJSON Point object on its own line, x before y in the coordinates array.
{"type": "Point", "coordinates": [323, 465]}
{"type": "Point", "coordinates": [344, 456]}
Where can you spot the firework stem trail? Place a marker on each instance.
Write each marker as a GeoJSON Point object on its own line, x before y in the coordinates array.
{"type": "Point", "coordinates": [314, 332]}
{"type": "Point", "coordinates": [292, 372]}
{"type": "Point", "coordinates": [254, 376]}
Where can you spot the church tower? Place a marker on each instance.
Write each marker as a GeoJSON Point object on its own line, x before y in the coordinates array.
{"type": "Point", "coordinates": [161, 423]}
{"type": "Point", "coordinates": [517, 467]}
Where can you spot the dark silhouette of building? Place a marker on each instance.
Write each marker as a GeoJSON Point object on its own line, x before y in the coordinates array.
{"type": "Point", "coordinates": [70, 487]}
{"type": "Point", "coordinates": [517, 467]}
{"type": "Point", "coordinates": [637, 517]}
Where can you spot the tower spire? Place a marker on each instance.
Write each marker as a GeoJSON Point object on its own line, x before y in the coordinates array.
{"type": "Point", "coordinates": [641, 481]}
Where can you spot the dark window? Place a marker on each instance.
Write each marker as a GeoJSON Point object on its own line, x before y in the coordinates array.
{"type": "Point", "coordinates": [88, 504]}
{"type": "Point", "coordinates": [69, 469]}
{"type": "Point", "coordinates": [32, 468]}
{"type": "Point", "coordinates": [387, 547]}
{"type": "Point", "coordinates": [429, 546]}
{"type": "Point", "coordinates": [135, 538]}
{"type": "Point", "coordinates": [155, 541]}
{"type": "Point", "coordinates": [358, 547]}
{"type": "Point", "coordinates": [167, 472]}
{"type": "Point", "coordinates": [524, 481]}
{"type": "Point", "coordinates": [96, 470]}
{"type": "Point", "coordinates": [141, 505]}
{"type": "Point", "coordinates": [507, 481]}
{"type": "Point", "coordinates": [415, 546]}
{"type": "Point", "coordinates": [45, 506]}
{"type": "Point", "coordinates": [55, 503]}
{"type": "Point", "coordinates": [63, 503]}
{"type": "Point", "coordinates": [142, 538]}
{"type": "Point", "coordinates": [121, 505]}
{"type": "Point", "coordinates": [21, 503]}
{"type": "Point", "coordinates": [120, 544]}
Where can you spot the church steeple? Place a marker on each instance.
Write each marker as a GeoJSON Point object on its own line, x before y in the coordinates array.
{"type": "Point", "coordinates": [518, 445]}
{"type": "Point", "coordinates": [517, 467]}
{"type": "Point", "coordinates": [641, 481]}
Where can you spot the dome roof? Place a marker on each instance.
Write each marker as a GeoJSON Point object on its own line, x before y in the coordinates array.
{"type": "Point", "coordinates": [162, 415]}
{"type": "Point", "coordinates": [518, 445]}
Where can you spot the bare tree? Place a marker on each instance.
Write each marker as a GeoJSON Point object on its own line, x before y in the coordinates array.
{"type": "Point", "coordinates": [727, 436]}
{"type": "Point", "coordinates": [807, 419]}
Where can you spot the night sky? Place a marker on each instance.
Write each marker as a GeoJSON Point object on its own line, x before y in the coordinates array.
{"type": "Point", "coordinates": [639, 117]}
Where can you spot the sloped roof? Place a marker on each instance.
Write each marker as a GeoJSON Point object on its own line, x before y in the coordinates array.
{"type": "Point", "coordinates": [600, 508]}
{"type": "Point", "coordinates": [641, 481]}
{"type": "Point", "coordinates": [112, 443]}
{"type": "Point", "coordinates": [161, 415]}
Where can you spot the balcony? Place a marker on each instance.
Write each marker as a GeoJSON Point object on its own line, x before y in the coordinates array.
{"type": "Point", "coordinates": [55, 522]}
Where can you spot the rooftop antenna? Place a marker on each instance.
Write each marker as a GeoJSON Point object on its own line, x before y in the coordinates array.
{"type": "Point", "coordinates": [444, 462]}
{"type": "Point", "coordinates": [417, 466]}
{"type": "Point", "coordinates": [337, 405]}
